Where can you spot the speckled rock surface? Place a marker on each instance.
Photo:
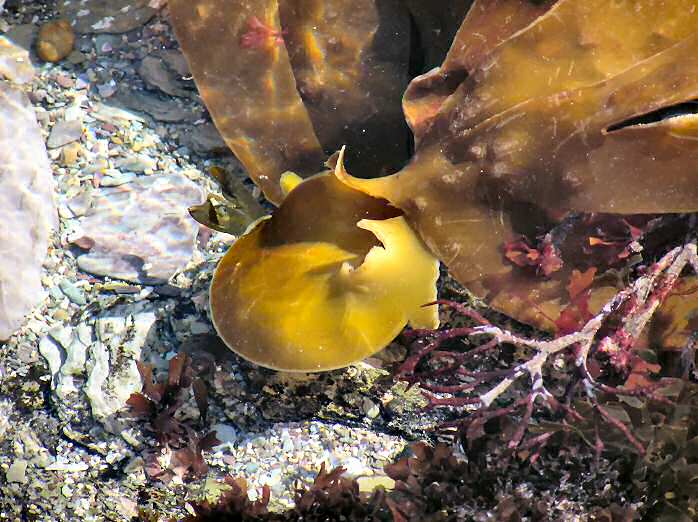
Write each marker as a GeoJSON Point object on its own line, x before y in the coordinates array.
{"type": "Point", "coordinates": [141, 231]}
{"type": "Point", "coordinates": [106, 16]}
{"type": "Point", "coordinates": [27, 210]}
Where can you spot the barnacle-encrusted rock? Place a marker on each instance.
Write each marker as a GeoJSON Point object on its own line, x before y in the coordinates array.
{"type": "Point", "coordinates": [27, 210]}
{"type": "Point", "coordinates": [120, 335]}
{"type": "Point", "coordinates": [140, 231]}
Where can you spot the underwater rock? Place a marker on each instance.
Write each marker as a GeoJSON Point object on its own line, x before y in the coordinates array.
{"type": "Point", "coordinates": [121, 334]}
{"type": "Point", "coordinates": [157, 73]}
{"type": "Point", "coordinates": [64, 132]}
{"type": "Point", "coordinates": [141, 231]}
{"type": "Point", "coordinates": [204, 139]}
{"type": "Point", "coordinates": [15, 64]}
{"type": "Point", "coordinates": [22, 35]}
{"type": "Point", "coordinates": [28, 210]}
{"type": "Point", "coordinates": [160, 109]}
{"type": "Point", "coordinates": [106, 16]}
{"type": "Point", "coordinates": [55, 41]}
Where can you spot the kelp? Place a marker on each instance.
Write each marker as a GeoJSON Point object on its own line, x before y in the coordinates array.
{"type": "Point", "coordinates": [298, 293]}
{"type": "Point", "coordinates": [235, 51]}
{"type": "Point", "coordinates": [528, 135]}
{"type": "Point", "coordinates": [289, 83]}
{"type": "Point", "coordinates": [540, 113]}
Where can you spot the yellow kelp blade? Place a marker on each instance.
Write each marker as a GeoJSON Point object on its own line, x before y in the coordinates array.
{"type": "Point", "coordinates": [306, 306]}
{"type": "Point", "coordinates": [332, 277]}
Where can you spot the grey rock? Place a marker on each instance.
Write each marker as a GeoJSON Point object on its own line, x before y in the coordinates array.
{"type": "Point", "coordinates": [226, 434]}
{"type": "Point", "coordinates": [106, 43]}
{"type": "Point", "coordinates": [64, 132]}
{"type": "Point", "coordinates": [72, 292]}
{"type": "Point", "coordinates": [107, 90]}
{"type": "Point", "coordinates": [136, 163]}
{"type": "Point", "coordinates": [116, 178]}
{"type": "Point", "coordinates": [158, 74]}
{"type": "Point", "coordinates": [27, 209]}
{"type": "Point", "coordinates": [204, 139]}
{"type": "Point", "coordinates": [17, 471]}
{"type": "Point", "coordinates": [23, 35]}
{"type": "Point", "coordinates": [114, 115]}
{"type": "Point", "coordinates": [160, 109]}
{"type": "Point", "coordinates": [141, 230]}
{"type": "Point", "coordinates": [81, 202]}
{"type": "Point", "coordinates": [106, 16]}
{"type": "Point", "coordinates": [176, 61]}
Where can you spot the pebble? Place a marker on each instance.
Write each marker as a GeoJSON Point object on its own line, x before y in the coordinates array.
{"type": "Point", "coordinates": [64, 132]}
{"type": "Point", "coordinates": [226, 434]}
{"type": "Point", "coordinates": [55, 41]}
{"type": "Point", "coordinates": [17, 471]}
{"type": "Point", "coordinates": [137, 163]}
{"type": "Point", "coordinates": [106, 43]}
{"type": "Point", "coordinates": [70, 153]}
{"type": "Point", "coordinates": [72, 292]}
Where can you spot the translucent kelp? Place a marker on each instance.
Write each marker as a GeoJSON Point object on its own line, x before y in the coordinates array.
{"type": "Point", "coordinates": [306, 294]}
{"type": "Point", "coordinates": [289, 82]}
{"type": "Point", "coordinates": [543, 126]}
{"type": "Point", "coordinates": [541, 113]}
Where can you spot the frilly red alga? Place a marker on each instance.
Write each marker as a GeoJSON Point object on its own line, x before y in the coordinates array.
{"type": "Point", "coordinates": [544, 145]}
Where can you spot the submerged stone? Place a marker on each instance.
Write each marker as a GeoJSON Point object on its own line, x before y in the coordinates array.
{"type": "Point", "coordinates": [141, 231]}
{"type": "Point", "coordinates": [28, 212]}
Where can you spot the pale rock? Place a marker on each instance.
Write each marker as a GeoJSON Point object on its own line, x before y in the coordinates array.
{"type": "Point", "coordinates": [64, 132]}
{"type": "Point", "coordinates": [28, 210]}
{"type": "Point", "coordinates": [17, 471]}
{"type": "Point", "coordinates": [141, 231]}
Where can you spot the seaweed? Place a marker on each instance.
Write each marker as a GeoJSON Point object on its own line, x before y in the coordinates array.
{"type": "Point", "coordinates": [179, 448]}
